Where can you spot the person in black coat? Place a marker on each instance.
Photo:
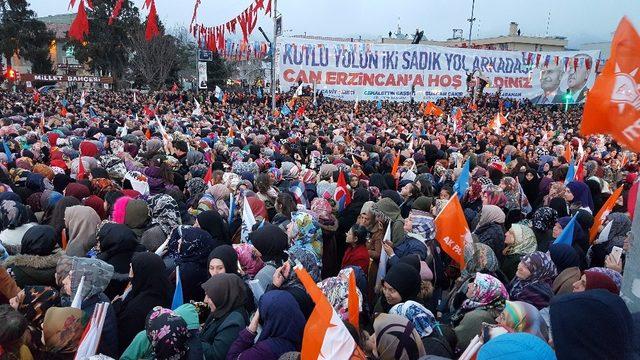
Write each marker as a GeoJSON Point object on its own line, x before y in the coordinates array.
{"type": "Point", "coordinates": [490, 229]}
{"type": "Point", "coordinates": [117, 244]}
{"type": "Point", "coordinates": [149, 288]}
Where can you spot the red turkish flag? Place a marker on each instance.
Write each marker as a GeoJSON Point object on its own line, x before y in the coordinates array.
{"type": "Point", "coordinates": [613, 104]}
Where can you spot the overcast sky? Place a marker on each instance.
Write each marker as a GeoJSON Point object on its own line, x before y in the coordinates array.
{"type": "Point", "coordinates": [581, 21]}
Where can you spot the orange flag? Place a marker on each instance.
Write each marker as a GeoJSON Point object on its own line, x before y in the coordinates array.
{"type": "Point", "coordinates": [63, 112]}
{"type": "Point", "coordinates": [231, 133]}
{"type": "Point", "coordinates": [452, 231]}
{"type": "Point", "coordinates": [81, 172]}
{"type": "Point", "coordinates": [147, 134]}
{"type": "Point", "coordinates": [325, 336]}
{"type": "Point", "coordinates": [396, 164]}
{"type": "Point", "coordinates": [433, 109]}
{"type": "Point", "coordinates": [352, 301]}
{"type": "Point", "coordinates": [568, 154]}
{"type": "Point", "coordinates": [613, 104]}
{"type": "Point", "coordinates": [599, 219]}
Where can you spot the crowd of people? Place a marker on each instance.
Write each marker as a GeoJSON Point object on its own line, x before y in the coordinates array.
{"type": "Point", "coordinates": [117, 197]}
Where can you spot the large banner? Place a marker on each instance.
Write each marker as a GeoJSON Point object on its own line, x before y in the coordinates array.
{"type": "Point", "coordinates": [400, 72]}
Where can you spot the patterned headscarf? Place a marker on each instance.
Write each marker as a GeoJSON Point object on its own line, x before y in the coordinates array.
{"type": "Point", "coordinates": [495, 196]}
{"type": "Point", "coordinates": [62, 329]}
{"type": "Point", "coordinates": [164, 212]}
{"type": "Point", "coordinates": [542, 269]}
{"type": "Point", "coordinates": [323, 209]}
{"type": "Point", "coordinates": [12, 214]}
{"type": "Point", "coordinates": [479, 257]}
{"type": "Point", "coordinates": [309, 261]}
{"type": "Point", "coordinates": [35, 303]}
{"type": "Point", "coordinates": [195, 187]}
{"type": "Point", "coordinates": [168, 334]}
{"type": "Point", "coordinates": [489, 293]}
{"type": "Point", "coordinates": [524, 240]}
{"type": "Point", "coordinates": [422, 225]}
{"type": "Point", "coordinates": [544, 219]}
{"type": "Point", "coordinates": [248, 260]}
{"type": "Point", "coordinates": [421, 318]}
{"type": "Point", "coordinates": [523, 317]}
{"type": "Point", "coordinates": [614, 275]}
{"type": "Point", "coordinates": [474, 192]}
{"type": "Point", "coordinates": [336, 289]}
{"type": "Point", "coordinates": [306, 232]}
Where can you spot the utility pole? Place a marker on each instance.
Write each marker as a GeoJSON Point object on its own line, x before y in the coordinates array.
{"type": "Point", "coordinates": [273, 55]}
{"type": "Point", "coordinates": [471, 20]}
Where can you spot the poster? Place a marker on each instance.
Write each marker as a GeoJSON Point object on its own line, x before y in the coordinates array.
{"type": "Point", "coordinates": [398, 72]}
{"type": "Point", "coordinates": [202, 75]}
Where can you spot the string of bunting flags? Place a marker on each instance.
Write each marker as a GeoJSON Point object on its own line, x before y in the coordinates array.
{"type": "Point", "coordinates": [539, 60]}
{"type": "Point", "coordinates": [244, 51]}
{"type": "Point", "coordinates": [213, 37]}
{"type": "Point", "coordinates": [80, 26]}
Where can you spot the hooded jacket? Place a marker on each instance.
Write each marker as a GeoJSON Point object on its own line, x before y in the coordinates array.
{"type": "Point", "coordinates": [390, 210]}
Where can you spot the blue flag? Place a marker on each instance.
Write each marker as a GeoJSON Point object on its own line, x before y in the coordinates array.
{"type": "Point", "coordinates": [571, 174]}
{"type": "Point", "coordinates": [232, 208]}
{"type": "Point", "coordinates": [508, 159]}
{"type": "Point", "coordinates": [6, 150]}
{"type": "Point", "coordinates": [177, 295]}
{"type": "Point", "coordinates": [462, 184]}
{"type": "Point", "coordinates": [285, 110]}
{"type": "Point", "coordinates": [92, 113]}
{"type": "Point", "coordinates": [259, 93]}
{"type": "Point", "coordinates": [379, 105]}
{"type": "Point", "coordinates": [566, 236]}
{"type": "Point", "coordinates": [64, 102]}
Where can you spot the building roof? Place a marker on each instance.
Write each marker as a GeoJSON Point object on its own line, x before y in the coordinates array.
{"type": "Point", "coordinates": [59, 24]}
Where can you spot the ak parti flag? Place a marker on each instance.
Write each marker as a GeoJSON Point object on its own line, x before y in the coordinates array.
{"type": "Point", "coordinates": [568, 154]}
{"type": "Point", "coordinates": [432, 109]}
{"type": "Point", "coordinates": [613, 104]}
{"type": "Point", "coordinates": [452, 231]}
{"type": "Point", "coordinates": [353, 303]}
{"type": "Point", "coordinates": [396, 165]}
{"type": "Point", "coordinates": [601, 216]}
{"type": "Point", "coordinates": [325, 336]}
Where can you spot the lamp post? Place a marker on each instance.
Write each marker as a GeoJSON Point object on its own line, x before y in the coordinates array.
{"type": "Point", "coordinates": [471, 20]}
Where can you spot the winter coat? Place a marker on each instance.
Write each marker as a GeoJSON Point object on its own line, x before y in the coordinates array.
{"type": "Point", "coordinates": [218, 334]}
{"type": "Point", "coordinates": [34, 269]}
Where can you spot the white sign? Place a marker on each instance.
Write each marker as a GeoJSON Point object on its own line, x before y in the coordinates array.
{"type": "Point", "coordinates": [202, 75]}
{"type": "Point", "coordinates": [368, 71]}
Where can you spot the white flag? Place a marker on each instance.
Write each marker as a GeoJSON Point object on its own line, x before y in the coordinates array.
{"type": "Point", "coordinates": [197, 111]}
{"type": "Point", "coordinates": [248, 220]}
{"type": "Point", "coordinates": [89, 343]}
{"type": "Point", "coordinates": [298, 91]}
{"type": "Point", "coordinates": [82, 101]}
{"type": "Point", "coordinates": [382, 267]}
{"type": "Point", "coordinates": [77, 298]}
{"type": "Point", "coordinates": [218, 93]}
{"type": "Point", "coordinates": [135, 100]}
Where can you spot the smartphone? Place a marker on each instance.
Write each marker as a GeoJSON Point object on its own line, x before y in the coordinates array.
{"type": "Point", "coordinates": [616, 253]}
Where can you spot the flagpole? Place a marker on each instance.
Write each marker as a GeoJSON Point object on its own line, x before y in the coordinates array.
{"type": "Point", "coordinates": [273, 55]}
{"type": "Point", "coordinates": [632, 264]}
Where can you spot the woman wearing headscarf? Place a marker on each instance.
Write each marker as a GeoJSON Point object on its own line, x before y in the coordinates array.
{"type": "Point", "coordinates": [48, 201]}
{"type": "Point", "coordinates": [567, 262]}
{"type": "Point", "coordinates": [490, 228]}
{"type": "Point", "coordinates": [132, 212]}
{"type": "Point", "coordinates": [224, 260]}
{"type": "Point", "coordinates": [486, 297]}
{"type": "Point", "coordinates": [225, 295]}
{"type": "Point", "coordinates": [36, 264]}
{"type": "Point", "coordinates": [271, 242]}
{"type": "Point", "coordinates": [286, 279]}
{"type": "Point", "coordinates": [530, 183]}
{"type": "Point", "coordinates": [168, 334]}
{"type": "Point", "coordinates": [62, 329]}
{"type": "Point", "coordinates": [493, 195]}
{"type": "Point", "coordinates": [533, 280]}
{"type": "Point", "coordinates": [214, 224]}
{"type": "Point", "coordinates": [33, 302]}
{"type": "Point", "coordinates": [559, 204]}
{"type": "Point", "coordinates": [612, 234]}
{"type": "Point", "coordinates": [580, 196]}
{"type": "Point", "coordinates": [400, 284]}
{"type": "Point", "coordinates": [165, 215]}
{"type": "Point", "coordinates": [349, 216]}
{"type": "Point", "coordinates": [149, 288]}
{"type": "Point", "coordinates": [304, 231]}
{"type": "Point", "coordinates": [248, 259]}
{"type": "Point", "coordinates": [14, 222]}
{"type": "Point", "coordinates": [516, 200]}
{"type": "Point", "coordinates": [336, 290]}
{"type": "Point", "coordinates": [81, 223]}
{"type": "Point", "coordinates": [396, 338]}
{"type": "Point", "coordinates": [57, 219]}
{"type": "Point", "coordinates": [542, 224]}
{"type": "Point", "coordinates": [593, 279]}
{"type": "Point", "coordinates": [282, 329]}
{"type": "Point", "coordinates": [473, 197]}
{"type": "Point", "coordinates": [189, 248]}
{"type": "Point", "coordinates": [419, 228]}
{"type": "Point", "coordinates": [424, 323]}
{"type": "Point", "coordinates": [520, 316]}
{"type": "Point", "coordinates": [97, 274]}
{"type": "Point", "coordinates": [332, 252]}
{"type": "Point", "coordinates": [519, 241]}
{"type": "Point", "coordinates": [117, 244]}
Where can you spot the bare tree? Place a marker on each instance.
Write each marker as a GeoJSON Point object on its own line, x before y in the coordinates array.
{"type": "Point", "coordinates": [153, 60]}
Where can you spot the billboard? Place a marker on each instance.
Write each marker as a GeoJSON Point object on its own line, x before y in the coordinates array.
{"type": "Point", "coordinates": [202, 75]}
{"type": "Point", "coordinates": [399, 72]}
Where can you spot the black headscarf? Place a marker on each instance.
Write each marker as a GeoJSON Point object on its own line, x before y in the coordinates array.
{"type": "Point", "coordinates": [60, 182]}
{"type": "Point", "coordinates": [228, 256]}
{"type": "Point", "coordinates": [115, 239]}
{"type": "Point", "coordinates": [271, 242]}
{"type": "Point", "coordinates": [38, 240]}
{"type": "Point", "coordinates": [530, 187]}
{"type": "Point", "coordinates": [214, 224]}
{"type": "Point", "coordinates": [57, 215]}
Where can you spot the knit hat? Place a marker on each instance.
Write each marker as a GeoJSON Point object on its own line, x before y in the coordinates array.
{"type": "Point", "coordinates": [521, 346]}
{"type": "Point", "coordinates": [405, 279]}
{"type": "Point", "coordinates": [423, 203]}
